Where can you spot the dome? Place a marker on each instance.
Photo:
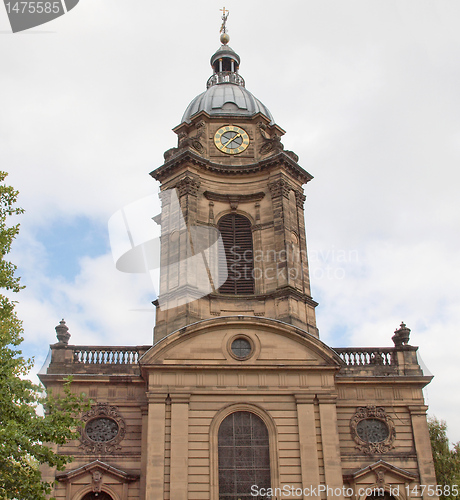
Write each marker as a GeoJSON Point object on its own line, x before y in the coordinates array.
{"type": "Point", "coordinates": [226, 94]}
{"type": "Point", "coordinates": [226, 99]}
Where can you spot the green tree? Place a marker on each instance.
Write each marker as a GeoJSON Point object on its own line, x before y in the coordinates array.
{"type": "Point", "coordinates": [446, 459]}
{"type": "Point", "coordinates": [23, 432]}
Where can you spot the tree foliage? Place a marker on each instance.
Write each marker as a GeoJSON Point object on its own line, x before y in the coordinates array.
{"type": "Point", "coordinates": [24, 432]}
{"type": "Point", "coordinates": [446, 459]}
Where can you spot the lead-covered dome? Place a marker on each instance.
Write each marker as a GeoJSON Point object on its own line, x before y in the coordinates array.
{"type": "Point", "coordinates": [226, 94]}
{"type": "Point", "coordinates": [226, 99]}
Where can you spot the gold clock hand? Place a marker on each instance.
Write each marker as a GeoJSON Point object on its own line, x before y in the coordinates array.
{"type": "Point", "coordinates": [232, 139]}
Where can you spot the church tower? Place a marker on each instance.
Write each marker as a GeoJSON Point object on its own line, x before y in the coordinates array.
{"type": "Point", "coordinates": [238, 398]}
{"type": "Point", "coordinates": [234, 181]}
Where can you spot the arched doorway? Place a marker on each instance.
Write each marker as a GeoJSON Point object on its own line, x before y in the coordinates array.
{"type": "Point", "coordinates": [244, 456]}
{"type": "Point", "coordinates": [97, 496]}
{"type": "Point", "coordinates": [384, 496]}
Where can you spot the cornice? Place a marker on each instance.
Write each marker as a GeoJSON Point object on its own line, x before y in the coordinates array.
{"type": "Point", "coordinates": [281, 158]}
{"type": "Point", "coordinates": [281, 292]}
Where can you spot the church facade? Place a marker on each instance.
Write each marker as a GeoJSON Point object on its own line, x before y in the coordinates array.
{"type": "Point", "coordinates": [238, 397]}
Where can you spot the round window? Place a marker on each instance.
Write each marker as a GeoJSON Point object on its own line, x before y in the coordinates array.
{"type": "Point", "coordinates": [241, 348]}
{"type": "Point", "coordinates": [372, 430]}
{"type": "Point", "coordinates": [101, 429]}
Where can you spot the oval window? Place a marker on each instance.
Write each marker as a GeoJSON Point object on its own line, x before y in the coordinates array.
{"type": "Point", "coordinates": [372, 430]}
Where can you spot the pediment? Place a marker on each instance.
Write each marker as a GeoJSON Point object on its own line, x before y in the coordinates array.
{"type": "Point", "coordinates": [381, 469]}
{"type": "Point", "coordinates": [208, 343]}
{"type": "Point", "coordinates": [97, 466]}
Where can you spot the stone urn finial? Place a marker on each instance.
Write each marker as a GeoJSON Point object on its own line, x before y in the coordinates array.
{"type": "Point", "coordinates": [401, 336]}
{"type": "Point", "coordinates": [62, 333]}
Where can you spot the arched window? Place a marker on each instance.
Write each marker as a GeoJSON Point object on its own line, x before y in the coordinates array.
{"type": "Point", "coordinates": [238, 259]}
{"type": "Point", "coordinates": [97, 496]}
{"type": "Point", "coordinates": [244, 456]}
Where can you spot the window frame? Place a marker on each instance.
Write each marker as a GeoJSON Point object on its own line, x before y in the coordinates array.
{"type": "Point", "coordinates": [213, 442]}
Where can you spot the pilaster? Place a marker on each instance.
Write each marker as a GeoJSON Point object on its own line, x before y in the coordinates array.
{"type": "Point", "coordinates": [179, 446]}
{"type": "Point", "coordinates": [155, 469]}
{"type": "Point", "coordinates": [144, 450]}
{"type": "Point", "coordinates": [330, 442]}
{"type": "Point", "coordinates": [309, 462]}
{"type": "Point", "coordinates": [279, 190]}
{"type": "Point", "coordinates": [422, 446]}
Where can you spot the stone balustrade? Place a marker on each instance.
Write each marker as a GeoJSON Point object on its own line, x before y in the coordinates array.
{"type": "Point", "coordinates": [361, 356]}
{"type": "Point", "coordinates": [106, 355]}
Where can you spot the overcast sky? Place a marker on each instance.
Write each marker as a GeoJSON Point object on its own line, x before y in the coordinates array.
{"type": "Point", "coordinates": [368, 93]}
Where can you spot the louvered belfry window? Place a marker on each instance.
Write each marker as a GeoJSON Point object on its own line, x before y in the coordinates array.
{"type": "Point", "coordinates": [239, 258]}
{"type": "Point", "coordinates": [244, 456]}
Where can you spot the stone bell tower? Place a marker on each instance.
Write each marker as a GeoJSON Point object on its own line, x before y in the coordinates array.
{"type": "Point", "coordinates": [233, 231]}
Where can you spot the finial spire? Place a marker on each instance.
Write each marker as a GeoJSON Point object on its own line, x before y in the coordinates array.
{"type": "Point", "coordinates": [225, 13]}
{"type": "Point", "coordinates": [224, 38]}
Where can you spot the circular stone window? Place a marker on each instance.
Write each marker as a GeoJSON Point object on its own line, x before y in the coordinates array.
{"type": "Point", "coordinates": [372, 430]}
{"type": "Point", "coordinates": [101, 429]}
{"type": "Point", "coordinates": [241, 348]}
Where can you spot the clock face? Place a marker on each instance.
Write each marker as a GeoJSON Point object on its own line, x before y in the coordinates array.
{"type": "Point", "coordinates": [231, 140]}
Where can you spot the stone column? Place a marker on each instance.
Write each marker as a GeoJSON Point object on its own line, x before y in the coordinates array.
{"type": "Point", "coordinates": [309, 463]}
{"type": "Point", "coordinates": [155, 469]}
{"type": "Point", "coordinates": [422, 446]}
{"type": "Point", "coordinates": [330, 441]}
{"type": "Point", "coordinates": [179, 446]}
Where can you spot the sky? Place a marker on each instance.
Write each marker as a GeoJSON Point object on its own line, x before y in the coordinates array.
{"type": "Point", "coordinates": [367, 92]}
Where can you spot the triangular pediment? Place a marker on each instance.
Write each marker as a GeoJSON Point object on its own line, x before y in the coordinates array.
{"type": "Point", "coordinates": [97, 465]}
{"type": "Point", "coordinates": [379, 469]}
{"type": "Point", "coordinates": [208, 342]}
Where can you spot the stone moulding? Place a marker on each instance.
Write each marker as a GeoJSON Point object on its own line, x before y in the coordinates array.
{"type": "Point", "coordinates": [280, 158]}
{"type": "Point", "coordinates": [240, 198]}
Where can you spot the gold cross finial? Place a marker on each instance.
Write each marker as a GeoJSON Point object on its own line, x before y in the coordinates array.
{"type": "Point", "coordinates": [225, 12]}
